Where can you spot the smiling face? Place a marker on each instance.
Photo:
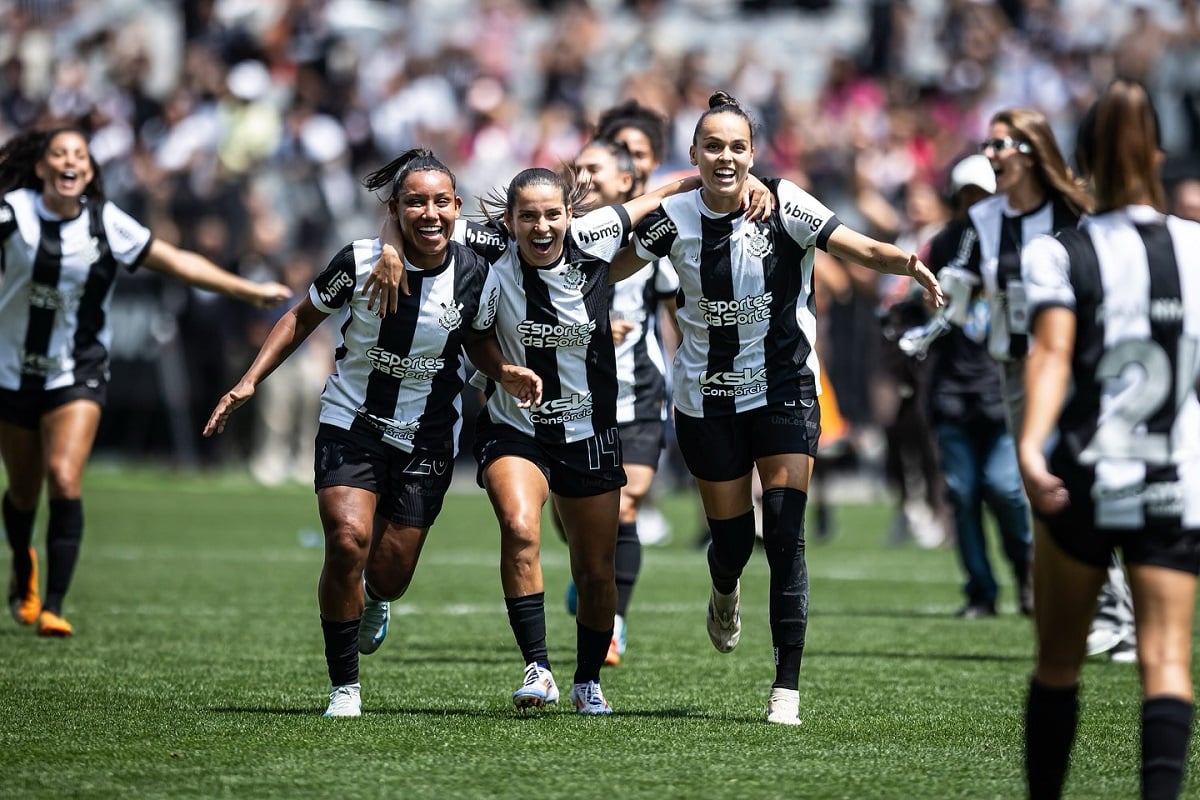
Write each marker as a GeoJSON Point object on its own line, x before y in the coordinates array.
{"type": "Point", "coordinates": [642, 153]}
{"type": "Point", "coordinates": [538, 220]}
{"type": "Point", "coordinates": [1013, 168]}
{"type": "Point", "coordinates": [597, 167]}
{"type": "Point", "coordinates": [724, 154]}
{"type": "Point", "coordinates": [65, 171]}
{"type": "Point", "coordinates": [426, 207]}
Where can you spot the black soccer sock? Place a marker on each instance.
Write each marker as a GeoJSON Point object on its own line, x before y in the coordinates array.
{"type": "Point", "coordinates": [591, 647]}
{"type": "Point", "coordinates": [1166, 728]}
{"type": "Point", "coordinates": [63, 538]}
{"type": "Point", "coordinates": [18, 526]}
{"type": "Point", "coordinates": [341, 650]}
{"type": "Point", "coordinates": [783, 540]}
{"type": "Point", "coordinates": [1051, 716]}
{"type": "Point", "coordinates": [527, 616]}
{"type": "Point", "coordinates": [629, 563]}
{"type": "Point", "coordinates": [730, 550]}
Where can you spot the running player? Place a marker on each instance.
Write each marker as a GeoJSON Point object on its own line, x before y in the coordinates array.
{"type": "Point", "coordinates": [1111, 387]}
{"type": "Point", "coordinates": [391, 412]}
{"type": "Point", "coordinates": [61, 247]}
{"type": "Point", "coordinates": [746, 375]}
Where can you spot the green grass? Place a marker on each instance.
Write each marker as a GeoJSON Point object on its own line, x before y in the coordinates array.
{"type": "Point", "coordinates": [197, 671]}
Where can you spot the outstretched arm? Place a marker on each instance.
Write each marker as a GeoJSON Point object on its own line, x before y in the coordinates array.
{"type": "Point", "coordinates": [521, 382]}
{"type": "Point", "coordinates": [882, 257]}
{"type": "Point", "coordinates": [292, 329]}
{"type": "Point", "coordinates": [196, 270]}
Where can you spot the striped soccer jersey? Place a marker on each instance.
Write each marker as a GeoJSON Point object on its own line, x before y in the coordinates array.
{"type": "Point", "coordinates": [1129, 435]}
{"type": "Point", "coordinates": [56, 282]}
{"type": "Point", "coordinates": [554, 320]}
{"type": "Point", "coordinates": [745, 303]}
{"type": "Point", "coordinates": [400, 379]}
{"type": "Point", "coordinates": [1002, 232]}
{"type": "Point", "coordinates": [641, 371]}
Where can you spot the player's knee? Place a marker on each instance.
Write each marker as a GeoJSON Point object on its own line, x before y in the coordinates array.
{"type": "Point", "coordinates": [346, 544]}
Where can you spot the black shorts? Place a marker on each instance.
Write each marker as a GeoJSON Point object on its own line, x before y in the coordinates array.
{"type": "Point", "coordinates": [579, 469]}
{"type": "Point", "coordinates": [724, 448]}
{"type": "Point", "coordinates": [24, 408]}
{"type": "Point", "coordinates": [410, 486]}
{"type": "Point", "coordinates": [642, 442]}
{"type": "Point", "coordinates": [1074, 533]}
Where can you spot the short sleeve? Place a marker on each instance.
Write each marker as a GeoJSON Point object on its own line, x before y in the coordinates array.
{"type": "Point", "coordinates": [601, 233]}
{"type": "Point", "coordinates": [128, 239]}
{"type": "Point", "coordinates": [805, 218]}
{"type": "Point", "coordinates": [8, 221]}
{"type": "Point", "coordinates": [334, 287]}
{"type": "Point", "coordinates": [1046, 275]}
{"type": "Point", "coordinates": [666, 279]}
{"type": "Point", "coordinates": [489, 303]}
{"type": "Point", "coordinates": [654, 235]}
{"type": "Point", "coordinates": [489, 240]}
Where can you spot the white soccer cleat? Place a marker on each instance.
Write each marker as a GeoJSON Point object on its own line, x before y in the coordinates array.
{"type": "Point", "coordinates": [724, 618]}
{"type": "Point", "coordinates": [783, 707]}
{"type": "Point", "coordinates": [373, 628]}
{"type": "Point", "coordinates": [345, 701]}
{"type": "Point", "coordinates": [538, 689]}
{"type": "Point", "coordinates": [589, 699]}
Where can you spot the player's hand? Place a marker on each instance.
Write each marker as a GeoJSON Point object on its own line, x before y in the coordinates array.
{"type": "Point", "coordinates": [757, 199]}
{"type": "Point", "coordinates": [522, 383]}
{"type": "Point", "coordinates": [922, 275]}
{"type": "Point", "coordinates": [1046, 491]}
{"type": "Point", "coordinates": [387, 280]}
{"type": "Point", "coordinates": [269, 295]}
{"type": "Point", "coordinates": [235, 398]}
{"type": "Point", "coordinates": [621, 329]}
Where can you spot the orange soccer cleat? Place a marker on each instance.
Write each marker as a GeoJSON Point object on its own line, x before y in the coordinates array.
{"type": "Point", "coordinates": [51, 624]}
{"type": "Point", "coordinates": [25, 604]}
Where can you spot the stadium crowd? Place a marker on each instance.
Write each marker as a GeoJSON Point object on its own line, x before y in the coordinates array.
{"type": "Point", "coordinates": [240, 130]}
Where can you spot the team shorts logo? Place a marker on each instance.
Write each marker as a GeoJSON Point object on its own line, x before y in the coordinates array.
{"type": "Point", "coordinates": [804, 215]}
{"type": "Point", "coordinates": [392, 429]}
{"type": "Point", "coordinates": [329, 293]}
{"type": "Point", "coordinates": [573, 278]}
{"type": "Point", "coordinates": [398, 366]}
{"type": "Point", "coordinates": [540, 334]}
{"type": "Point", "coordinates": [733, 384]}
{"type": "Point", "coordinates": [42, 364]}
{"type": "Point", "coordinates": [563, 409]}
{"type": "Point", "coordinates": [747, 311]}
{"type": "Point", "coordinates": [452, 316]}
{"type": "Point", "coordinates": [758, 244]}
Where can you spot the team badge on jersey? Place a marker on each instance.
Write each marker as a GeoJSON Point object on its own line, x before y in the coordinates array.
{"type": "Point", "coordinates": [452, 317]}
{"type": "Point", "coordinates": [573, 278]}
{"type": "Point", "coordinates": [758, 244]}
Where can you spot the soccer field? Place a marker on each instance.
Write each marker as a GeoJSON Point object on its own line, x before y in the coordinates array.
{"type": "Point", "coordinates": [197, 671]}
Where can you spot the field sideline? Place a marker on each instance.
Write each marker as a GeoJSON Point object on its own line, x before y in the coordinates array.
{"type": "Point", "coordinates": [197, 671]}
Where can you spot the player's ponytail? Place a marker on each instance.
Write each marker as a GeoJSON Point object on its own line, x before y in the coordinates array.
{"type": "Point", "coordinates": [395, 172]}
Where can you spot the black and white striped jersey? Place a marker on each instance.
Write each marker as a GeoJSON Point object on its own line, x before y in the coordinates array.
{"type": "Point", "coordinates": [1002, 232]}
{"type": "Point", "coordinates": [400, 379]}
{"type": "Point", "coordinates": [1129, 434]}
{"type": "Point", "coordinates": [641, 370]}
{"type": "Point", "coordinates": [745, 303]}
{"type": "Point", "coordinates": [554, 320]}
{"type": "Point", "coordinates": [56, 281]}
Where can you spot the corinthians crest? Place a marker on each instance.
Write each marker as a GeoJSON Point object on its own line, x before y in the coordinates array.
{"type": "Point", "coordinates": [573, 278]}
{"type": "Point", "coordinates": [758, 244]}
{"type": "Point", "coordinates": [451, 317]}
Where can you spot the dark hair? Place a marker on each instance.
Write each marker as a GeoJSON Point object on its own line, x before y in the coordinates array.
{"type": "Point", "coordinates": [19, 157]}
{"type": "Point", "coordinates": [620, 154]}
{"type": "Point", "coordinates": [632, 114]}
{"type": "Point", "coordinates": [396, 171]}
{"type": "Point", "coordinates": [496, 204]}
{"type": "Point", "coordinates": [722, 103]}
{"type": "Point", "coordinates": [1123, 146]}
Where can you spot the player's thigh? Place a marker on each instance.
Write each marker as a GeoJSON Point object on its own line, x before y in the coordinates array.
{"type": "Point", "coordinates": [68, 433]}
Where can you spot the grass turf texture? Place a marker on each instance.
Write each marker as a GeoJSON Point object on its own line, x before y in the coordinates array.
{"type": "Point", "coordinates": [197, 671]}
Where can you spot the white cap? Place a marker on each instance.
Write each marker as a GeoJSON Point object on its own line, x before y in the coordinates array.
{"type": "Point", "coordinates": [973, 171]}
{"type": "Point", "coordinates": [248, 80]}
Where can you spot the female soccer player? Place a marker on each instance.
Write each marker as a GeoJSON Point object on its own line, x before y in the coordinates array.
{"type": "Point", "coordinates": [1035, 194]}
{"type": "Point", "coordinates": [746, 371]}
{"type": "Point", "coordinates": [1114, 312]}
{"type": "Point", "coordinates": [62, 244]}
{"type": "Point", "coordinates": [391, 413]}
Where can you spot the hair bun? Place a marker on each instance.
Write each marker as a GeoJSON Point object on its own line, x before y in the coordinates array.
{"type": "Point", "coordinates": [720, 98]}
